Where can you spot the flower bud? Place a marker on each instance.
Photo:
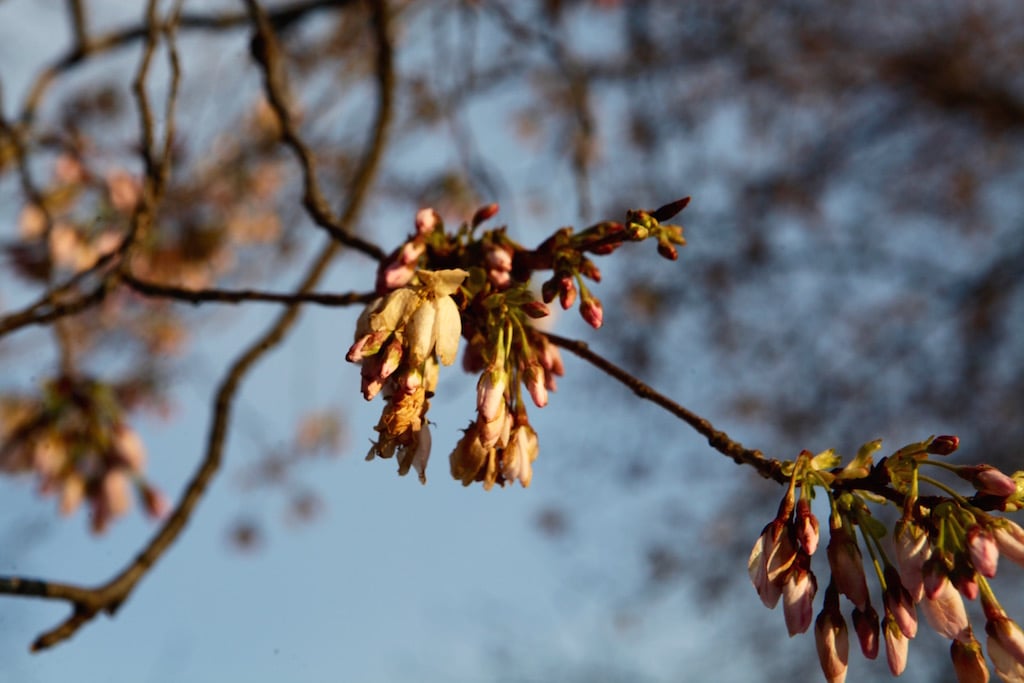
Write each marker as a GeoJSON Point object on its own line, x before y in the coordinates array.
{"type": "Point", "coordinates": [589, 270]}
{"type": "Point", "coordinates": [483, 213]}
{"type": "Point", "coordinates": [935, 575]}
{"type": "Point", "coordinates": [984, 551]}
{"type": "Point", "coordinates": [549, 290]}
{"type": "Point", "coordinates": [831, 638]}
{"type": "Point", "coordinates": [807, 531]}
{"type": "Point", "coordinates": [536, 309]}
{"type": "Point", "coordinates": [566, 292]}
{"type": "Point", "coordinates": [943, 445]}
{"type": "Point", "coordinates": [1009, 538]}
{"type": "Point", "coordinates": [592, 312]}
{"type": "Point", "coordinates": [912, 550]}
{"type": "Point", "coordinates": [899, 604]}
{"type": "Point", "coordinates": [945, 612]}
{"type": "Point", "coordinates": [426, 221]}
{"type": "Point", "coordinates": [865, 624]}
{"type": "Point", "coordinates": [798, 596]}
{"type": "Point", "coordinates": [968, 661]}
{"type": "Point", "coordinates": [896, 645]}
{"type": "Point", "coordinates": [847, 565]}
{"type": "Point", "coordinates": [988, 480]}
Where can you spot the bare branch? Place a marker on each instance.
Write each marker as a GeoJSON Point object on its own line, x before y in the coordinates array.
{"type": "Point", "coordinates": [198, 296]}
{"type": "Point", "coordinates": [80, 53]}
{"type": "Point", "coordinates": [768, 468]}
{"type": "Point", "coordinates": [268, 53]}
{"type": "Point", "coordinates": [87, 603]}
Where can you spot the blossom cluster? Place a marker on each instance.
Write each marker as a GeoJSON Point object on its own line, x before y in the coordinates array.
{"type": "Point", "coordinates": [439, 287]}
{"type": "Point", "coordinates": [944, 548]}
{"type": "Point", "coordinates": [74, 438]}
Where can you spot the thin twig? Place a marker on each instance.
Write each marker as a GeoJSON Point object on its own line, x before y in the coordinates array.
{"type": "Point", "coordinates": [79, 54]}
{"type": "Point", "coordinates": [268, 53]}
{"type": "Point", "coordinates": [768, 468]}
{"type": "Point", "coordinates": [238, 296]}
{"type": "Point", "coordinates": [108, 597]}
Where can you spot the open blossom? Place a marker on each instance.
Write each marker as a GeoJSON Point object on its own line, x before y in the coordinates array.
{"type": "Point", "coordinates": [518, 456]}
{"type": "Point", "coordinates": [424, 317]}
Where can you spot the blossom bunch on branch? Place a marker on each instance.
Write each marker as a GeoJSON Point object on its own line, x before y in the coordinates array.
{"type": "Point", "coordinates": [943, 548]}
{"type": "Point", "coordinates": [440, 286]}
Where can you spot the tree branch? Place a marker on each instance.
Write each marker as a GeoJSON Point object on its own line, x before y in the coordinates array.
{"type": "Point", "coordinates": [267, 52]}
{"type": "Point", "coordinates": [81, 52]}
{"type": "Point", "coordinates": [768, 468]}
{"type": "Point", "coordinates": [198, 296]}
{"type": "Point", "coordinates": [88, 602]}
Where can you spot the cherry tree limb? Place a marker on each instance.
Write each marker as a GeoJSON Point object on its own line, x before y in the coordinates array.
{"type": "Point", "coordinates": [768, 468]}
{"type": "Point", "coordinates": [87, 602]}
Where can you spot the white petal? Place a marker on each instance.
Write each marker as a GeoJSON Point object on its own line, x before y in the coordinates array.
{"type": "Point", "coordinates": [447, 330]}
{"type": "Point", "coordinates": [396, 309]}
{"type": "Point", "coordinates": [419, 334]}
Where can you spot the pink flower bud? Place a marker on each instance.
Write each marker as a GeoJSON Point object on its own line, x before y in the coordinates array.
{"type": "Point", "coordinates": [1005, 634]}
{"type": "Point", "coordinates": [550, 357]}
{"type": "Point", "coordinates": [988, 480]}
{"type": "Point", "coordinates": [535, 309]}
{"type": "Point", "coordinates": [798, 597]}
{"type": "Point", "coordinates": [1009, 537]}
{"type": "Point", "coordinates": [154, 501]}
{"type": "Point", "coordinates": [966, 583]}
{"type": "Point", "coordinates": [393, 276]}
{"type": "Point", "coordinates": [589, 270]}
{"type": "Point", "coordinates": [984, 551]}
{"type": "Point", "coordinates": [832, 639]}
{"type": "Point", "coordinates": [912, 550]}
{"type": "Point", "coordinates": [935, 575]}
{"type": "Point", "coordinates": [490, 394]}
{"type": "Point", "coordinates": [847, 565]}
{"type": "Point", "coordinates": [899, 604]}
{"type": "Point", "coordinates": [534, 381]}
{"type": "Point", "coordinates": [968, 661]}
{"type": "Point", "coordinates": [483, 213]}
{"type": "Point", "coordinates": [566, 292]}
{"type": "Point", "coordinates": [945, 612]}
{"type": "Point", "coordinates": [896, 645]}
{"type": "Point", "coordinates": [865, 624]}
{"type": "Point", "coordinates": [498, 258]}
{"type": "Point", "coordinates": [943, 445]}
{"type": "Point", "coordinates": [410, 253]}
{"type": "Point", "coordinates": [592, 312]}
{"type": "Point", "coordinates": [549, 290]}
{"type": "Point", "coordinates": [128, 449]}
{"type": "Point", "coordinates": [366, 345]}
{"type": "Point", "coordinates": [426, 221]}
{"type": "Point", "coordinates": [766, 549]}
{"type": "Point", "coordinates": [807, 531]}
